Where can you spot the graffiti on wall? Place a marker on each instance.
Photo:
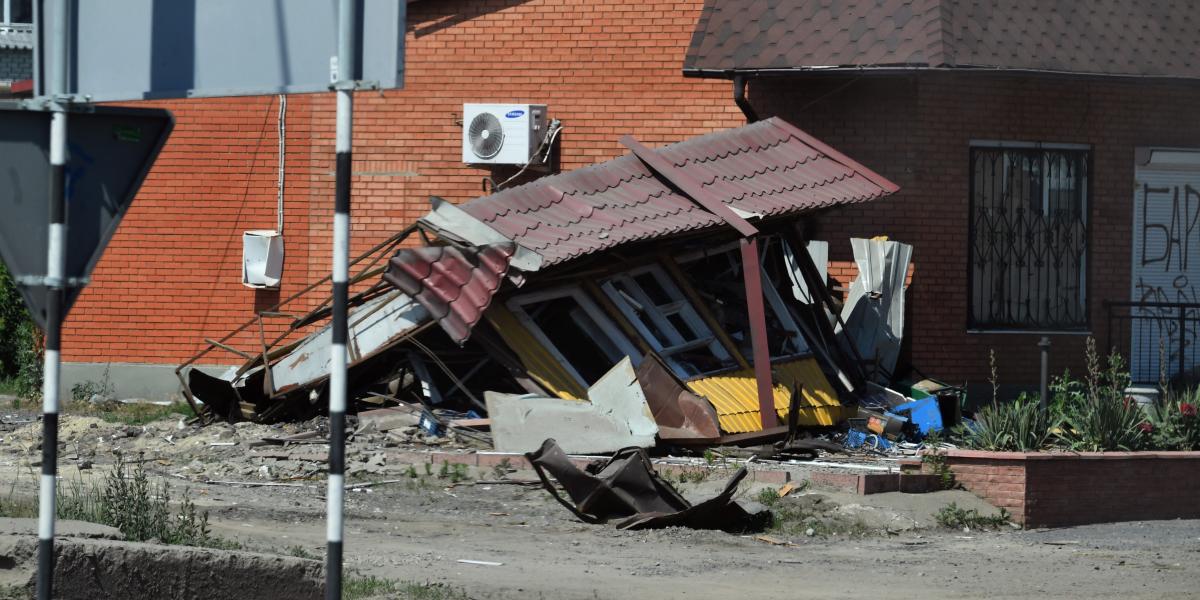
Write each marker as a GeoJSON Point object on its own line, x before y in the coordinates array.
{"type": "Point", "coordinates": [1166, 270]}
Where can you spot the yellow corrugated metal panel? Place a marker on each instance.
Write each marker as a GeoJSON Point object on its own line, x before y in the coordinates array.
{"type": "Point", "coordinates": [541, 365]}
{"type": "Point", "coordinates": [735, 396]}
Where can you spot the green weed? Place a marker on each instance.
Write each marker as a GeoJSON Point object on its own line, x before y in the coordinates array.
{"type": "Point", "coordinates": [361, 588]}
{"type": "Point", "coordinates": [954, 517]}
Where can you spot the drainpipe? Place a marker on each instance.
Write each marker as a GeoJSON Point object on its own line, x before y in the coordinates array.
{"type": "Point", "coordinates": [739, 98]}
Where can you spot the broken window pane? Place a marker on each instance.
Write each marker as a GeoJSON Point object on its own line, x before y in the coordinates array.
{"type": "Point", "coordinates": [572, 327]}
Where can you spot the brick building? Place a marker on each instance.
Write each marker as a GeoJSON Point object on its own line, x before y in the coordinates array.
{"type": "Point", "coordinates": [899, 100]}
{"type": "Point", "coordinates": [1020, 135]}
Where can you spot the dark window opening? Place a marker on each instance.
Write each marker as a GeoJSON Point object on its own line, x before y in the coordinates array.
{"type": "Point", "coordinates": [1028, 239]}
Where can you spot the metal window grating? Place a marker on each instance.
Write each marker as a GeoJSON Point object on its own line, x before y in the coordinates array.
{"type": "Point", "coordinates": [1028, 238]}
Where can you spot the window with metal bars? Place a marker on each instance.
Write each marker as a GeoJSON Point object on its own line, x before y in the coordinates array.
{"type": "Point", "coordinates": [1028, 238]}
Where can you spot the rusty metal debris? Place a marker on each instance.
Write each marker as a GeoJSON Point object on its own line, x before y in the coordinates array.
{"type": "Point", "coordinates": [627, 489]}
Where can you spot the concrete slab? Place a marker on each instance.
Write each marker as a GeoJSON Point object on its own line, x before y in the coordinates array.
{"type": "Point", "coordinates": [102, 569]}
{"type": "Point", "coordinates": [78, 529]}
{"type": "Point", "coordinates": [616, 417]}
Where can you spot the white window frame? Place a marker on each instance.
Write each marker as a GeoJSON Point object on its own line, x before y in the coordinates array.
{"type": "Point", "coordinates": [609, 329]}
{"type": "Point", "coordinates": [676, 342]}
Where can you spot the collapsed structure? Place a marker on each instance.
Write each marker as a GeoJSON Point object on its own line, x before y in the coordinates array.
{"type": "Point", "coordinates": [683, 277]}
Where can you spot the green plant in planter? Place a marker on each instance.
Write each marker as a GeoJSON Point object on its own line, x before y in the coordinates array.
{"type": "Point", "coordinates": [1018, 426]}
{"type": "Point", "coordinates": [1099, 416]}
{"type": "Point", "coordinates": [1175, 423]}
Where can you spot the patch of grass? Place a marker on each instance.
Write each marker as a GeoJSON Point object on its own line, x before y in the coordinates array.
{"type": "Point", "coordinates": [362, 588]}
{"type": "Point", "coordinates": [300, 552]}
{"type": "Point", "coordinates": [130, 414]}
{"type": "Point", "coordinates": [954, 517]}
{"type": "Point", "coordinates": [796, 515]}
{"type": "Point", "coordinates": [9, 387]}
{"type": "Point", "coordinates": [502, 469]}
{"type": "Point", "coordinates": [455, 473]}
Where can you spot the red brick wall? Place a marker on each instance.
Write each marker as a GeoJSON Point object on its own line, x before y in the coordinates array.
{"type": "Point", "coordinates": [1055, 490]}
{"type": "Point", "coordinates": [916, 131]}
{"type": "Point", "coordinates": [171, 276]}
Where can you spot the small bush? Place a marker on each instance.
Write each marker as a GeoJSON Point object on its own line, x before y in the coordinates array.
{"type": "Point", "coordinates": [955, 517]}
{"type": "Point", "coordinates": [1098, 416]}
{"type": "Point", "coordinates": [142, 510]}
{"type": "Point", "coordinates": [1174, 422]}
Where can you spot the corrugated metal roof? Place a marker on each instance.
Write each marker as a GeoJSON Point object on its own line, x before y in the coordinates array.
{"type": "Point", "coordinates": [16, 38]}
{"type": "Point", "coordinates": [455, 286]}
{"type": "Point", "coordinates": [769, 167]}
{"type": "Point", "coordinates": [735, 396]}
{"type": "Point", "coordinates": [1111, 37]}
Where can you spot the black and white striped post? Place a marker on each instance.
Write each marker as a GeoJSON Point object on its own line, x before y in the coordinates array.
{"type": "Point", "coordinates": [55, 285]}
{"type": "Point", "coordinates": [344, 74]}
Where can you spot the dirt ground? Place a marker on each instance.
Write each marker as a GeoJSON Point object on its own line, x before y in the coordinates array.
{"type": "Point", "coordinates": [418, 528]}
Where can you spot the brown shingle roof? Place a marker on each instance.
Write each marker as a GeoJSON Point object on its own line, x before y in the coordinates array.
{"type": "Point", "coordinates": [769, 168]}
{"type": "Point", "coordinates": [1155, 38]}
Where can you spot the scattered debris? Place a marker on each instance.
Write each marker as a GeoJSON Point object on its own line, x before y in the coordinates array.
{"type": "Point", "coordinates": [626, 487]}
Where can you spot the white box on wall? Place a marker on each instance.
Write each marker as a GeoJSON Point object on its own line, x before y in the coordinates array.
{"type": "Point", "coordinates": [262, 258]}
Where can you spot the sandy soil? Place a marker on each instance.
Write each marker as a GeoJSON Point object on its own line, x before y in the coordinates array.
{"type": "Point", "coordinates": [418, 529]}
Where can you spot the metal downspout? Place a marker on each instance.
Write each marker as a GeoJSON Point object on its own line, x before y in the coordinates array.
{"type": "Point", "coordinates": [739, 98]}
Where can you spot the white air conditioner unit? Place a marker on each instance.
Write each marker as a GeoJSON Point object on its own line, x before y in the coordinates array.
{"type": "Point", "coordinates": [262, 258]}
{"type": "Point", "coordinates": [502, 134]}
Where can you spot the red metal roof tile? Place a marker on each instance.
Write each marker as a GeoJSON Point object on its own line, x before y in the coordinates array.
{"type": "Point", "coordinates": [769, 167]}
{"type": "Point", "coordinates": [454, 285]}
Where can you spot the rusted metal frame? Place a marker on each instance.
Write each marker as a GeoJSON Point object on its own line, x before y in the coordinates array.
{"type": "Point", "coordinates": [676, 273]}
{"type": "Point", "coordinates": [394, 240]}
{"type": "Point", "coordinates": [245, 355]}
{"type": "Point", "coordinates": [268, 384]}
{"type": "Point", "coordinates": [752, 275]}
{"type": "Point", "coordinates": [751, 270]}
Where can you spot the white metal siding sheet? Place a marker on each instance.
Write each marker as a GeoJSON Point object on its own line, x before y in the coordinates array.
{"type": "Point", "coordinates": [1166, 263]}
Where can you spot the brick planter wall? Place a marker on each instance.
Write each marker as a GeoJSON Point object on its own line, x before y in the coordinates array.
{"type": "Point", "coordinates": [1055, 489]}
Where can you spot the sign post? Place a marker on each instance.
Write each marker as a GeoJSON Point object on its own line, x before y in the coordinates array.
{"type": "Point", "coordinates": [55, 266]}
{"type": "Point", "coordinates": [344, 77]}
{"type": "Point", "coordinates": [43, 187]}
{"type": "Point", "coordinates": [123, 50]}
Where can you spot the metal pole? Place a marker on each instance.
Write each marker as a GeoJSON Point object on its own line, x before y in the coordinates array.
{"type": "Point", "coordinates": [1044, 344]}
{"type": "Point", "coordinates": [346, 73]}
{"type": "Point", "coordinates": [55, 283]}
{"type": "Point", "coordinates": [752, 279]}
